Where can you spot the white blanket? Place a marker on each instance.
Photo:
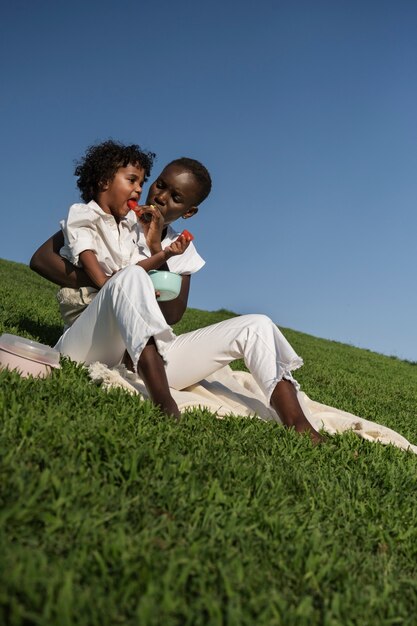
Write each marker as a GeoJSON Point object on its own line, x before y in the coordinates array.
{"type": "Point", "coordinates": [236, 393]}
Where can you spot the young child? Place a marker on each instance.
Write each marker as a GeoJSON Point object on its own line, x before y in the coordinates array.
{"type": "Point", "coordinates": [102, 235]}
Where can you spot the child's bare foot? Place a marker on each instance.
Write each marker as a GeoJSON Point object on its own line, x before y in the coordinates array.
{"type": "Point", "coordinates": [170, 408]}
{"type": "Point", "coordinates": [152, 371]}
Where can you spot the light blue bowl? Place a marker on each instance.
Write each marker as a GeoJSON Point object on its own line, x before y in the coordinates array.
{"type": "Point", "coordinates": [167, 283]}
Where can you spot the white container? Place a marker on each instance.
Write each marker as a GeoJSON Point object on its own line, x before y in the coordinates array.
{"type": "Point", "coordinates": [28, 357]}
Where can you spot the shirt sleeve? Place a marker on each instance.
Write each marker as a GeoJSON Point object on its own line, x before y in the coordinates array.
{"type": "Point", "coordinates": [80, 233]}
{"type": "Point", "coordinates": [187, 263]}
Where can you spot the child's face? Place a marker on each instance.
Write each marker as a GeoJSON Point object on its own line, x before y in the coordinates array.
{"type": "Point", "coordinates": [175, 192]}
{"type": "Point", "coordinates": [126, 185]}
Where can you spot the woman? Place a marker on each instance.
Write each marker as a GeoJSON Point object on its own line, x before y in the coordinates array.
{"type": "Point", "coordinates": [115, 321]}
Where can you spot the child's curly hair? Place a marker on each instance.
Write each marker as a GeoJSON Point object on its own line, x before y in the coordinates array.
{"type": "Point", "coordinates": [101, 162]}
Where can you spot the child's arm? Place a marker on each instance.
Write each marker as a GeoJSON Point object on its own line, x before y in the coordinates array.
{"type": "Point", "coordinates": [47, 262]}
{"type": "Point", "coordinates": [152, 222]}
{"type": "Point", "coordinates": [92, 268]}
{"type": "Point", "coordinates": [159, 259]}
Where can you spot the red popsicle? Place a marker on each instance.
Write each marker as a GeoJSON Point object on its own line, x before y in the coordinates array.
{"type": "Point", "coordinates": [133, 206]}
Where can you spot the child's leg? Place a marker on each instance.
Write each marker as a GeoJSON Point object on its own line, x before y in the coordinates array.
{"type": "Point", "coordinates": [124, 315]}
{"type": "Point", "coordinates": [255, 338]}
{"type": "Point", "coordinates": [152, 371]}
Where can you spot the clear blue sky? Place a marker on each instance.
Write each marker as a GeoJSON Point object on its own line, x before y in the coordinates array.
{"type": "Point", "coordinates": [304, 112]}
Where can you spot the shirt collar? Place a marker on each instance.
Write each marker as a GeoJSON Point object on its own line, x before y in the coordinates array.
{"type": "Point", "coordinates": [108, 216]}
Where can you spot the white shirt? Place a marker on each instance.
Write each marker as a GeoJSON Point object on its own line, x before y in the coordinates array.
{"type": "Point", "coordinates": [88, 227]}
{"type": "Point", "coordinates": [116, 246]}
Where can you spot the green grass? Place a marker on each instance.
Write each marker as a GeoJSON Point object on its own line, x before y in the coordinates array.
{"type": "Point", "coordinates": [112, 514]}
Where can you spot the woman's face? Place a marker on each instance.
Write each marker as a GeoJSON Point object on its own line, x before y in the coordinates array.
{"type": "Point", "coordinates": [175, 192]}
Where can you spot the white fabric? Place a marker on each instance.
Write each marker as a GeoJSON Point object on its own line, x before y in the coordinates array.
{"type": "Point", "coordinates": [72, 302]}
{"type": "Point", "coordinates": [88, 227]}
{"type": "Point", "coordinates": [236, 393]}
{"type": "Point", "coordinates": [187, 263]}
{"type": "Point", "coordinates": [125, 314]}
{"type": "Point", "coordinates": [255, 338]}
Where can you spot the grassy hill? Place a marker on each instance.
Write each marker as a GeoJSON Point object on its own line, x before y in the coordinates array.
{"type": "Point", "coordinates": [112, 514]}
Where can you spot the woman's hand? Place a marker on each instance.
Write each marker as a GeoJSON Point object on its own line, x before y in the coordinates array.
{"type": "Point", "coordinates": [152, 222]}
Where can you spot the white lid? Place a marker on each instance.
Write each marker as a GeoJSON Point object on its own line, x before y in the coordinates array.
{"type": "Point", "coordinates": [30, 349]}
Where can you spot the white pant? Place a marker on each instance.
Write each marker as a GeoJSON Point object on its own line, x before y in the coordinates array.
{"type": "Point", "coordinates": [125, 315]}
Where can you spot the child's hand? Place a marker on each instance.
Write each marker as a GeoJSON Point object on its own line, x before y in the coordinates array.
{"type": "Point", "coordinates": [180, 245]}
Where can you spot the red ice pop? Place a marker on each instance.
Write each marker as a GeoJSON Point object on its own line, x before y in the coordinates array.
{"type": "Point", "coordinates": [133, 206]}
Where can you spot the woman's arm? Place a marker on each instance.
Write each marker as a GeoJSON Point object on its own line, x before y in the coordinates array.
{"type": "Point", "coordinates": [173, 310]}
{"type": "Point", "coordinates": [47, 262]}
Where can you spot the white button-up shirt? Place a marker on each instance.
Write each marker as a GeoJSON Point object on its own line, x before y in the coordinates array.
{"type": "Point", "coordinates": [88, 227]}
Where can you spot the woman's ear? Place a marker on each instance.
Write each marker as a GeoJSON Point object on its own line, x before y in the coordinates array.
{"type": "Point", "coordinates": [192, 211]}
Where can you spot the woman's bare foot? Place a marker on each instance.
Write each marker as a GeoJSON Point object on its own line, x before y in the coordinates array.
{"type": "Point", "coordinates": [315, 436]}
{"type": "Point", "coordinates": [285, 402]}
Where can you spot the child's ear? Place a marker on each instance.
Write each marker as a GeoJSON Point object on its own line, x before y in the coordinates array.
{"type": "Point", "coordinates": [103, 185]}
{"type": "Point", "coordinates": [192, 211]}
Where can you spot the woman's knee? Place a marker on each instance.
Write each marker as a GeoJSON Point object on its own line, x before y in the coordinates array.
{"type": "Point", "coordinates": [257, 321]}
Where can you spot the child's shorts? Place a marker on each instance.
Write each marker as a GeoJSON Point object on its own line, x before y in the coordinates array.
{"type": "Point", "coordinates": [72, 302]}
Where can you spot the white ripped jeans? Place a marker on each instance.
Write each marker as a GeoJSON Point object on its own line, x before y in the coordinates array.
{"type": "Point", "coordinates": [125, 315]}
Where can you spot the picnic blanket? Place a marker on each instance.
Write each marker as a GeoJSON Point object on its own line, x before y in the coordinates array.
{"type": "Point", "coordinates": [228, 392]}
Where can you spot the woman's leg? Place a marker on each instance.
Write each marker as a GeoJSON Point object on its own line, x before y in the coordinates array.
{"type": "Point", "coordinates": [285, 403]}
{"type": "Point", "coordinates": [267, 354]}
